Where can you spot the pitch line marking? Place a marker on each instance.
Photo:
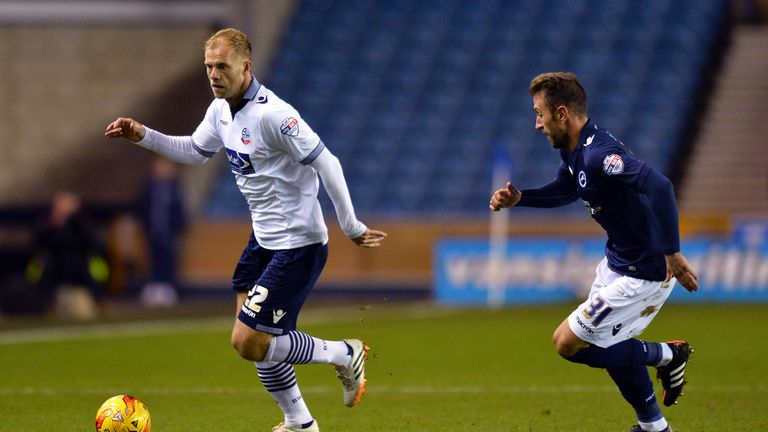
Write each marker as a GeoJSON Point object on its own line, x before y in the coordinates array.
{"type": "Point", "coordinates": [101, 331]}
{"type": "Point", "coordinates": [412, 390]}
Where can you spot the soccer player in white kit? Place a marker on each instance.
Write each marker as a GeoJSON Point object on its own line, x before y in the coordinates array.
{"type": "Point", "coordinates": [275, 158]}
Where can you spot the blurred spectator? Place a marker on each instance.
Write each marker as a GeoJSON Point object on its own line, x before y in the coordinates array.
{"type": "Point", "coordinates": [68, 264]}
{"type": "Point", "coordinates": [751, 11]}
{"type": "Point", "coordinates": [162, 213]}
{"type": "Point", "coordinates": [126, 250]}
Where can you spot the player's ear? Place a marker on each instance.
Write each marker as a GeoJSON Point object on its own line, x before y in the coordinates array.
{"type": "Point", "coordinates": [247, 66]}
{"type": "Point", "coordinates": [561, 113]}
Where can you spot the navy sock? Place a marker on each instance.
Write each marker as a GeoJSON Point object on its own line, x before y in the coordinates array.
{"type": "Point", "coordinates": [629, 353]}
{"type": "Point", "coordinates": [637, 388]}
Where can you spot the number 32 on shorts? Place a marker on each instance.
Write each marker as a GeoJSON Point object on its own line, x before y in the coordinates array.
{"type": "Point", "coordinates": [596, 310]}
{"type": "Point", "coordinates": [256, 295]}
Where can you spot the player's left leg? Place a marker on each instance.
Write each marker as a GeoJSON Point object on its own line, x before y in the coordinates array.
{"type": "Point", "coordinates": [600, 333]}
{"type": "Point", "coordinates": [271, 288]}
{"type": "Point", "coordinates": [347, 356]}
{"type": "Point", "coordinates": [626, 364]}
{"type": "Point", "coordinates": [636, 387]}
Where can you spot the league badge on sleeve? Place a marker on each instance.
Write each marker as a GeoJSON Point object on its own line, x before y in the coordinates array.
{"type": "Point", "coordinates": [290, 127]}
{"type": "Point", "coordinates": [613, 164]}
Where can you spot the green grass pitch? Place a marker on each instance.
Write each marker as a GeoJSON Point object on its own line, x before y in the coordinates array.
{"type": "Point", "coordinates": [430, 369]}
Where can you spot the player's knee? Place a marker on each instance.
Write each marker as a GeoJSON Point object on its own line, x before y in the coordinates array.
{"type": "Point", "coordinates": [560, 346]}
{"type": "Point", "coordinates": [248, 350]}
{"type": "Point", "coordinates": [565, 350]}
{"type": "Point", "coordinates": [565, 345]}
{"type": "Point", "coordinates": [252, 347]}
{"type": "Point", "coordinates": [238, 343]}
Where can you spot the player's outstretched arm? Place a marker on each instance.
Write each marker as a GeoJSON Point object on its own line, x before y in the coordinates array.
{"type": "Point", "coordinates": [126, 128]}
{"type": "Point", "coordinates": [370, 238]}
{"type": "Point", "coordinates": [678, 267]}
{"type": "Point", "coordinates": [507, 197]}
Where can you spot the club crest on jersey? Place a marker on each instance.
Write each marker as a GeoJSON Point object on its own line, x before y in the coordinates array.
{"type": "Point", "coordinates": [613, 164]}
{"type": "Point", "coordinates": [290, 127]}
{"type": "Point", "coordinates": [239, 163]}
{"type": "Point", "coordinates": [582, 179]}
{"type": "Point", "coordinates": [245, 136]}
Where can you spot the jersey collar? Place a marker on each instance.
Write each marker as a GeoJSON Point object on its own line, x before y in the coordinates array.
{"type": "Point", "coordinates": [589, 128]}
{"type": "Point", "coordinates": [249, 95]}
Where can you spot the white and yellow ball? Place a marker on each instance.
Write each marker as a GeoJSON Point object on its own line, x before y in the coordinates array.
{"type": "Point", "coordinates": [123, 413]}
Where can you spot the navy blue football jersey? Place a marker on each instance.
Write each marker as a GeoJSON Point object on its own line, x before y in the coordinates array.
{"type": "Point", "coordinates": [633, 202]}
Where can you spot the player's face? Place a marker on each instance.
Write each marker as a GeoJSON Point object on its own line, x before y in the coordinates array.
{"type": "Point", "coordinates": [227, 71]}
{"type": "Point", "coordinates": [548, 124]}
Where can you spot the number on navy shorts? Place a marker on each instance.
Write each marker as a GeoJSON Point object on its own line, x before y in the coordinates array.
{"type": "Point", "coordinates": [256, 295]}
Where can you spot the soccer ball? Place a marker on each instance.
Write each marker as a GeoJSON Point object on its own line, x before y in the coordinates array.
{"type": "Point", "coordinates": [122, 413]}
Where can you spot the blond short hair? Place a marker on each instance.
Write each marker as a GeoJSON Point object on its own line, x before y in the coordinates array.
{"type": "Point", "coordinates": [235, 38]}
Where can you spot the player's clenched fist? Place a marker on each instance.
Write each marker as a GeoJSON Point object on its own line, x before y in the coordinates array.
{"type": "Point", "coordinates": [126, 128]}
{"type": "Point", "coordinates": [507, 197]}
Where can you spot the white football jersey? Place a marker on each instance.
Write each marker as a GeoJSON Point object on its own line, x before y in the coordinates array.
{"type": "Point", "coordinates": [269, 148]}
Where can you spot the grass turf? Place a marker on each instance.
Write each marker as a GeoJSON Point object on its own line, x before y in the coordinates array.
{"type": "Point", "coordinates": [430, 369]}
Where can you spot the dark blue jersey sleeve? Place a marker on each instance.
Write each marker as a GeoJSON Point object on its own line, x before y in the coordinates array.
{"type": "Point", "coordinates": [558, 193]}
{"type": "Point", "coordinates": [616, 165]}
{"type": "Point", "coordinates": [661, 194]}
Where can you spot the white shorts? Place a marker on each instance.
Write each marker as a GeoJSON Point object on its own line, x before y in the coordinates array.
{"type": "Point", "coordinates": [618, 307]}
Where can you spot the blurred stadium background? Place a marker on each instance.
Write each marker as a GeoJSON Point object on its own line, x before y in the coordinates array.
{"type": "Point", "coordinates": [418, 99]}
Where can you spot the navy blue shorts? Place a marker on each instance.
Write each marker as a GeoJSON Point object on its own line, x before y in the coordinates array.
{"type": "Point", "coordinates": [277, 282]}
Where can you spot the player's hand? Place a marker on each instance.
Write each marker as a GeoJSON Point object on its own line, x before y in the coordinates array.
{"type": "Point", "coordinates": [507, 197]}
{"type": "Point", "coordinates": [370, 238]}
{"type": "Point", "coordinates": [678, 267]}
{"type": "Point", "coordinates": [126, 128]}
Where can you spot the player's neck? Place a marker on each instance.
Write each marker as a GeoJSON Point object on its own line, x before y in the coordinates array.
{"type": "Point", "coordinates": [235, 101]}
{"type": "Point", "coordinates": [574, 132]}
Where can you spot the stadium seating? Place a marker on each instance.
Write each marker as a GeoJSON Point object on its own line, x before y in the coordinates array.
{"type": "Point", "coordinates": [413, 95]}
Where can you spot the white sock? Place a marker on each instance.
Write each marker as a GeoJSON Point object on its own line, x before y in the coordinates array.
{"type": "Point", "coordinates": [280, 381]}
{"type": "Point", "coordinates": [299, 348]}
{"type": "Point", "coordinates": [666, 354]}
{"type": "Point", "coordinates": [657, 426]}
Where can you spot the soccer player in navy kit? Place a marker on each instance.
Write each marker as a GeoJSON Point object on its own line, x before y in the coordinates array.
{"type": "Point", "coordinates": [276, 159]}
{"type": "Point", "coordinates": [636, 207]}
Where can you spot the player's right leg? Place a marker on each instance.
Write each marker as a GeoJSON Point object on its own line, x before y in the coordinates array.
{"type": "Point", "coordinates": [672, 373]}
